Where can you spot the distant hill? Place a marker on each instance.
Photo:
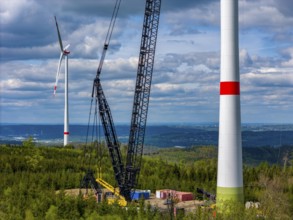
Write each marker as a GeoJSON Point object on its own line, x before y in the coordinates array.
{"type": "Point", "coordinates": [251, 156]}
{"type": "Point", "coordinates": [162, 136]}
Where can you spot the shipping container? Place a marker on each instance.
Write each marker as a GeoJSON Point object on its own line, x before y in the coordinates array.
{"type": "Point", "coordinates": [166, 193]}
{"type": "Point", "coordinates": [184, 196]}
{"type": "Point", "coordinates": [140, 194]}
{"type": "Point", "coordinates": [158, 194]}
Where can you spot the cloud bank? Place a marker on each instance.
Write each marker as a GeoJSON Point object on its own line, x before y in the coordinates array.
{"type": "Point", "coordinates": [187, 66]}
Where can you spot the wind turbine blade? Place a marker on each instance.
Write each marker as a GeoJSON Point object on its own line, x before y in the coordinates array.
{"type": "Point", "coordinates": [58, 73]}
{"type": "Point", "coordinates": [59, 35]}
{"type": "Point", "coordinates": [67, 46]}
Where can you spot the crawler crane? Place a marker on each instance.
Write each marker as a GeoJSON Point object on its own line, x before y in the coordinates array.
{"type": "Point", "coordinates": [126, 175]}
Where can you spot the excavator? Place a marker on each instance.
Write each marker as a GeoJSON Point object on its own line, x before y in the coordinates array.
{"type": "Point", "coordinates": [127, 174]}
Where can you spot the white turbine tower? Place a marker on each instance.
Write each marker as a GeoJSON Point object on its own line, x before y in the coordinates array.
{"type": "Point", "coordinates": [230, 173]}
{"type": "Point", "coordinates": [64, 54]}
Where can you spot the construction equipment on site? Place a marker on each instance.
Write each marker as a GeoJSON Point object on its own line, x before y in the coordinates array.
{"type": "Point", "coordinates": [89, 180]}
{"type": "Point", "coordinates": [126, 175]}
{"type": "Point", "coordinates": [206, 194]}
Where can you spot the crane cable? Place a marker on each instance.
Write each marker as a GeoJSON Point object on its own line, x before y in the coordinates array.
{"type": "Point", "coordinates": [106, 44]}
{"type": "Point", "coordinates": [95, 131]}
{"type": "Point", "coordinates": [109, 35]}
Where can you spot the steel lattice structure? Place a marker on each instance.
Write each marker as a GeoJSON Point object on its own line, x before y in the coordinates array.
{"type": "Point", "coordinates": [127, 176]}
{"type": "Point", "coordinates": [142, 92]}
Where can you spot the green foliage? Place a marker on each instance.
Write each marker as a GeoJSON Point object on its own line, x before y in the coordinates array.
{"type": "Point", "coordinates": [29, 215]}
{"type": "Point", "coordinates": [187, 155]}
{"type": "Point", "coordinates": [29, 143]}
{"type": "Point", "coordinates": [31, 176]}
{"type": "Point", "coordinates": [252, 156]}
{"type": "Point", "coordinates": [52, 213]}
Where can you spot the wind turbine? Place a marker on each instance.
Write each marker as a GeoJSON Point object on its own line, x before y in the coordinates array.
{"type": "Point", "coordinates": [64, 54]}
{"type": "Point", "coordinates": [230, 166]}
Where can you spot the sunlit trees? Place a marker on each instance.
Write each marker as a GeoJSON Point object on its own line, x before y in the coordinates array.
{"type": "Point", "coordinates": [33, 180]}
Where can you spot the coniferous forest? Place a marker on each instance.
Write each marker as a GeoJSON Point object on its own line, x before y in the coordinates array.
{"type": "Point", "coordinates": [34, 180]}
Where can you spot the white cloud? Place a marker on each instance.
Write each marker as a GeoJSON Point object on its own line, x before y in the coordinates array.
{"type": "Point", "coordinates": [289, 62]}
{"type": "Point", "coordinates": [187, 64]}
{"type": "Point", "coordinates": [11, 9]}
{"type": "Point", "coordinates": [263, 14]}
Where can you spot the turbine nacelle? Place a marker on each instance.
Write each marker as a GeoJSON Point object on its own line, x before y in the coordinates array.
{"type": "Point", "coordinates": [65, 51]}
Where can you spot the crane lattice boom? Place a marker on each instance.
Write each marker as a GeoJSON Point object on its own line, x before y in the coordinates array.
{"type": "Point", "coordinates": [127, 176]}
{"type": "Point", "coordinates": [142, 93]}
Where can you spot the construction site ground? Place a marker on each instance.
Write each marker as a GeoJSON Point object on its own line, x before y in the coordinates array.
{"type": "Point", "coordinates": [188, 206]}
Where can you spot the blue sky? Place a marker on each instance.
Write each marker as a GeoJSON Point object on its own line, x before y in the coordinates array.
{"type": "Point", "coordinates": [186, 74]}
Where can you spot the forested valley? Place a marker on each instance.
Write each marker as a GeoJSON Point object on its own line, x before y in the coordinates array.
{"type": "Point", "coordinates": [34, 180]}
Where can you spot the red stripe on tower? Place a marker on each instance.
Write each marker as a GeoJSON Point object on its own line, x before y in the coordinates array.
{"type": "Point", "coordinates": [229, 88]}
{"type": "Point", "coordinates": [66, 132]}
